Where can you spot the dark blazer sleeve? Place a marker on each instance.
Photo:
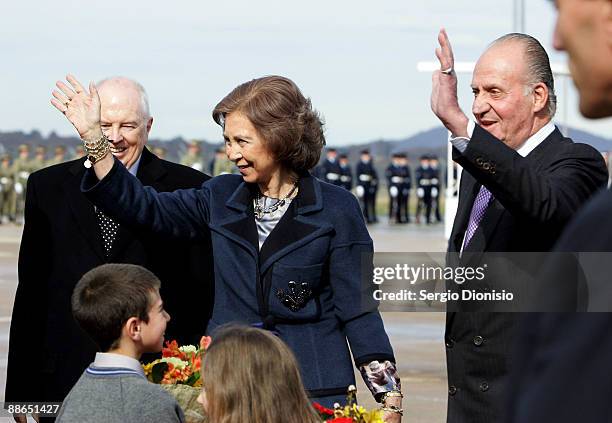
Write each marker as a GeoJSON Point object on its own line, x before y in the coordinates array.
{"type": "Point", "coordinates": [25, 362]}
{"type": "Point", "coordinates": [181, 213]}
{"type": "Point", "coordinates": [350, 269]}
{"type": "Point", "coordinates": [548, 196]}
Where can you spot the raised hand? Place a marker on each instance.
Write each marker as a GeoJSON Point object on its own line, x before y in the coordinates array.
{"type": "Point", "coordinates": [82, 108]}
{"type": "Point", "coordinates": [444, 101]}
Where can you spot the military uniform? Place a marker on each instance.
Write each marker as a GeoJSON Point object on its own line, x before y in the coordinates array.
{"type": "Point", "coordinates": [436, 191]}
{"type": "Point", "coordinates": [424, 176]}
{"type": "Point", "coordinates": [59, 157]}
{"type": "Point", "coordinates": [396, 176]}
{"type": "Point", "coordinates": [192, 158]}
{"type": "Point", "coordinates": [346, 176]}
{"type": "Point", "coordinates": [405, 188]}
{"type": "Point", "coordinates": [7, 195]}
{"type": "Point", "coordinates": [330, 171]}
{"type": "Point", "coordinates": [39, 161]}
{"type": "Point", "coordinates": [367, 185]}
{"type": "Point", "coordinates": [21, 169]}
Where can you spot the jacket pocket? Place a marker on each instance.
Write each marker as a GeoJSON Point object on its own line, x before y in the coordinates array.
{"type": "Point", "coordinates": [294, 292]}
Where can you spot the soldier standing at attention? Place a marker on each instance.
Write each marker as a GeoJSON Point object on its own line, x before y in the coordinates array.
{"type": "Point", "coordinates": [367, 185]}
{"type": "Point", "coordinates": [7, 197]}
{"type": "Point", "coordinates": [346, 176]}
{"type": "Point", "coordinates": [329, 170]}
{"type": "Point", "coordinates": [59, 155]}
{"type": "Point", "coordinates": [193, 157]}
{"type": "Point", "coordinates": [435, 186]}
{"type": "Point", "coordinates": [40, 158]}
{"type": "Point", "coordinates": [395, 179]}
{"type": "Point", "coordinates": [423, 176]}
{"type": "Point", "coordinates": [22, 167]}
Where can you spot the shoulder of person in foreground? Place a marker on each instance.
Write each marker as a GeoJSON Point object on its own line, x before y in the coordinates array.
{"type": "Point", "coordinates": [591, 228]}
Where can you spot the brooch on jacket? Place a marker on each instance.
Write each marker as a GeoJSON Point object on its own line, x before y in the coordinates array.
{"type": "Point", "coordinates": [296, 297]}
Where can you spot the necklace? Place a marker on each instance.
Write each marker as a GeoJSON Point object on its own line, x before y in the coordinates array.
{"type": "Point", "coordinates": [259, 204]}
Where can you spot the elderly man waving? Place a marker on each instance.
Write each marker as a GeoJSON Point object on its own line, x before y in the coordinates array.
{"type": "Point", "coordinates": [523, 181]}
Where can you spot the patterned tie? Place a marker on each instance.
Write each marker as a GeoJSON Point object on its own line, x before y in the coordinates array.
{"type": "Point", "coordinates": [478, 210]}
{"type": "Point", "coordinates": [109, 230]}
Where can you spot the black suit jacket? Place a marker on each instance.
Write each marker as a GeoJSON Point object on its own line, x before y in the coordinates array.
{"type": "Point", "coordinates": [61, 241]}
{"type": "Point", "coordinates": [534, 197]}
{"type": "Point", "coordinates": [558, 351]}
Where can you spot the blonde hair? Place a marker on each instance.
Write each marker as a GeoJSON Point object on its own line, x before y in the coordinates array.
{"type": "Point", "coordinates": [250, 375]}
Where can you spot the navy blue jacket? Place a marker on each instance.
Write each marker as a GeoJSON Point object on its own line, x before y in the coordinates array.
{"type": "Point", "coordinates": [321, 245]}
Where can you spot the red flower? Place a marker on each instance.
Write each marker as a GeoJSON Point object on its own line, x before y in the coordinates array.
{"type": "Point", "coordinates": [322, 409]}
{"type": "Point", "coordinates": [341, 420]}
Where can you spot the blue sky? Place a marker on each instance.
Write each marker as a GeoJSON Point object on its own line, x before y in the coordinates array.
{"type": "Point", "coordinates": [355, 59]}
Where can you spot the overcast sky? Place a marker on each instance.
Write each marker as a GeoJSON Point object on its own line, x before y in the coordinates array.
{"type": "Point", "coordinates": [355, 59]}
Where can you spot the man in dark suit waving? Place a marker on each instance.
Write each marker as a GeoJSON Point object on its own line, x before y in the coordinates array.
{"type": "Point", "coordinates": [65, 236]}
{"type": "Point", "coordinates": [523, 181]}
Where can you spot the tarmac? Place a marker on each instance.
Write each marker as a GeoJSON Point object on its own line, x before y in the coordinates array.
{"type": "Point", "coordinates": [417, 337]}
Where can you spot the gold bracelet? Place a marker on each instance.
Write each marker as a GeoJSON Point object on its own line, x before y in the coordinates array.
{"type": "Point", "coordinates": [391, 394]}
{"type": "Point", "coordinates": [393, 409]}
{"type": "Point", "coordinates": [96, 150]}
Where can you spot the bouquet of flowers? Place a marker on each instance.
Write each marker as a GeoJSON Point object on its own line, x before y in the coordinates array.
{"type": "Point", "coordinates": [350, 413]}
{"type": "Point", "coordinates": [178, 372]}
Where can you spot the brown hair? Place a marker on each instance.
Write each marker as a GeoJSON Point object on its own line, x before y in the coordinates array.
{"type": "Point", "coordinates": [291, 129]}
{"type": "Point", "coordinates": [250, 375]}
{"type": "Point", "coordinates": [108, 295]}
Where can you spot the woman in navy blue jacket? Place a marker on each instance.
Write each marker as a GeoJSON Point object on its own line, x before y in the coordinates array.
{"type": "Point", "coordinates": [292, 254]}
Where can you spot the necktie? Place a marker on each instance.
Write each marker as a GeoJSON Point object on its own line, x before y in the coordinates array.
{"type": "Point", "coordinates": [109, 230]}
{"type": "Point", "coordinates": [478, 210]}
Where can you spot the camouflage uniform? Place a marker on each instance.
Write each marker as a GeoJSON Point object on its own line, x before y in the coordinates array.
{"type": "Point", "coordinates": [22, 167]}
{"type": "Point", "coordinates": [193, 157]}
{"type": "Point", "coordinates": [59, 157]}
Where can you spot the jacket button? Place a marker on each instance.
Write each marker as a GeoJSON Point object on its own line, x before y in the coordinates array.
{"type": "Point", "coordinates": [484, 386]}
{"type": "Point", "coordinates": [479, 161]}
{"type": "Point", "coordinates": [452, 390]}
{"type": "Point", "coordinates": [486, 166]}
{"type": "Point", "coordinates": [450, 343]}
{"type": "Point", "coordinates": [478, 340]}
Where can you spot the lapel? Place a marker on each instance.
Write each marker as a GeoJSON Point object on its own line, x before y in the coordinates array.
{"type": "Point", "coordinates": [82, 209]}
{"type": "Point", "coordinates": [292, 231]}
{"type": "Point", "coordinates": [295, 229]}
{"type": "Point", "coordinates": [150, 171]}
{"type": "Point", "coordinates": [486, 229]}
{"type": "Point", "coordinates": [239, 226]}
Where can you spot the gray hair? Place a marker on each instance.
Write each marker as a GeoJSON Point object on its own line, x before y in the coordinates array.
{"type": "Point", "coordinates": [144, 98]}
{"type": "Point", "coordinates": [538, 65]}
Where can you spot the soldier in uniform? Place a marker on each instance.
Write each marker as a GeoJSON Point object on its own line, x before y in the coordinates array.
{"type": "Point", "coordinates": [346, 176]}
{"type": "Point", "coordinates": [193, 157]}
{"type": "Point", "coordinates": [222, 165]}
{"type": "Point", "coordinates": [396, 174]}
{"type": "Point", "coordinates": [22, 167]}
{"type": "Point", "coordinates": [59, 155]}
{"type": "Point", "coordinates": [7, 197]}
{"type": "Point", "coordinates": [40, 158]}
{"type": "Point", "coordinates": [435, 186]}
{"type": "Point", "coordinates": [405, 187]}
{"type": "Point", "coordinates": [423, 176]}
{"type": "Point", "coordinates": [329, 170]}
{"type": "Point", "coordinates": [367, 185]}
